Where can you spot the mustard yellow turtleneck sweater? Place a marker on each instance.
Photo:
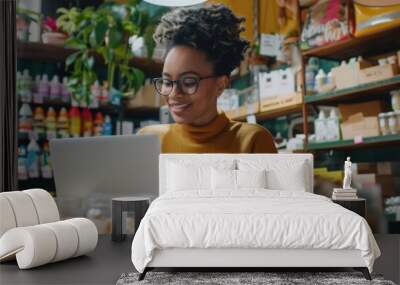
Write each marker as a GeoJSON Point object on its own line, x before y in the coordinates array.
{"type": "Point", "coordinates": [219, 136]}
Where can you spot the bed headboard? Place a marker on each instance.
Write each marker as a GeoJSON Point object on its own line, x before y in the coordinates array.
{"type": "Point", "coordinates": [288, 163]}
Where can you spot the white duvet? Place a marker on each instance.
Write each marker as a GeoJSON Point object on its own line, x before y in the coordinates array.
{"type": "Point", "coordinates": [250, 218]}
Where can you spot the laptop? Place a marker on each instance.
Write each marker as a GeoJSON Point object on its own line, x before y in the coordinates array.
{"type": "Point", "coordinates": [111, 165]}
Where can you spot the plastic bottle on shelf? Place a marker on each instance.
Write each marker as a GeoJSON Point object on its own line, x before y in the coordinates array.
{"type": "Point", "coordinates": [320, 127]}
{"type": "Point", "coordinates": [65, 94]}
{"type": "Point", "coordinates": [33, 159]}
{"type": "Point", "coordinates": [43, 89]}
{"type": "Point", "coordinates": [107, 126]}
{"type": "Point", "coordinates": [45, 164]}
{"type": "Point", "coordinates": [98, 124]}
{"type": "Point", "coordinates": [333, 127]}
{"type": "Point", "coordinates": [62, 124]}
{"type": "Point", "coordinates": [22, 162]}
{"type": "Point", "coordinates": [51, 124]}
{"type": "Point", "coordinates": [38, 121]}
{"type": "Point", "coordinates": [74, 122]}
{"type": "Point", "coordinates": [392, 122]}
{"type": "Point", "coordinates": [320, 80]}
{"type": "Point", "coordinates": [87, 120]}
{"type": "Point", "coordinates": [37, 98]}
{"type": "Point", "coordinates": [311, 72]}
{"type": "Point", "coordinates": [95, 95]}
{"type": "Point", "coordinates": [55, 89]}
{"type": "Point", "coordinates": [25, 87]}
{"type": "Point", "coordinates": [25, 119]}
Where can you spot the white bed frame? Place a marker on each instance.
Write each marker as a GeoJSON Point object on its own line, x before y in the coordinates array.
{"type": "Point", "coordinates": [251, 258]}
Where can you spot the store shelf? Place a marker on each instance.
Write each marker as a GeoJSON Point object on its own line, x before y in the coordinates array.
{"type": "Point", "coordinates": [262, 116]}
{"type": "Point", "coordinates": [44, 183]}
{"type": "Point", "coordinates": [377, 141]}
{"type": "Point", "coordinates": [53, 53]}
{"type": "Point", "coordinates": [365, 91]}
{"type": "Point", "coordinates": [381, 42]}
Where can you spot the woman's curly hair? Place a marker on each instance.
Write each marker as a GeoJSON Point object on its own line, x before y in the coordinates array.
{"type": "Point", "coordinates": [214, 30]}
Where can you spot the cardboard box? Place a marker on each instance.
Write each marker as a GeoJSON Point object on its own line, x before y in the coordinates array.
{"type": "Point", "coordinates": [365, 167]}
{"type": "Point", "coordinates": [370, 108]}
{"type": "Point", "coordinates": [276, 83]}
{"type": "Point", "coordinates": [388, 168]}
{"type": "Point", "coordinates": [278, 102]}
{"type": "Point", "coordinates": [359, 126]}
{"type": "Point", "coordinates": [146, 97]}
{"type": "Point", "coordinates": [346, 76]}
{"type": "Point", "coordinates": [376, 73]}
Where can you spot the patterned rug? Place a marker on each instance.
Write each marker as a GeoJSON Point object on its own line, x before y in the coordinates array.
{"type": "Point", "coordinates": [243, 278]}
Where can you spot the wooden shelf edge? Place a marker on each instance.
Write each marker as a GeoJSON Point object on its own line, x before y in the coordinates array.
{"type": "Point", "coordinates": [273, 113]}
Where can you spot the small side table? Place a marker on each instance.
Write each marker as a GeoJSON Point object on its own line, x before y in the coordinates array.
{"type": "Point", "coordinates": [358, 206]}
{"type": "Point", "coordinates": [120, 206]}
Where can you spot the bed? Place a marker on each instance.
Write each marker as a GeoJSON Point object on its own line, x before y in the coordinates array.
{"type": "Point", "coordinates": [246, 211]}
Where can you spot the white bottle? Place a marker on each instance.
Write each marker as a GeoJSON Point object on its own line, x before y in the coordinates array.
{"type": "Point", "coordinates": [33, 159]}
{"type": "Point", "coordinates": [333, 128]}
{"type": "Point", "coordinates": [320, 127]}
{"type": "Point", "coordinates": [43, 88]}
{"type": "Point", "coordinates": [55, 89]}
{"type": "Point", "coordinates": [320, 80]}
{"type": "Point", "coordinates": [25, 87]}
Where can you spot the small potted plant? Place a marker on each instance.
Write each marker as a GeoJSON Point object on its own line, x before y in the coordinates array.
{"type": "Point", "coordinates": [51, 33]}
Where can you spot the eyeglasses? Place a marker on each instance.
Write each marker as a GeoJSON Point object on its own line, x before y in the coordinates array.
{"type": "Point", "coordinates": [188, 85]}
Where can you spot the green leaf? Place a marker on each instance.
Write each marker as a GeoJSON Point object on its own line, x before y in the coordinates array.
{"type": "Point", "coordinates": [100, 31]}
{"type": "Point", "coordinates": [114, 37]}
{"type": "Point", "coordinates": [71, 58]}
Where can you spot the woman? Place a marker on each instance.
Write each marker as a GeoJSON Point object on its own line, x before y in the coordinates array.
{"type": "Point", "coordinates": [203, 47]}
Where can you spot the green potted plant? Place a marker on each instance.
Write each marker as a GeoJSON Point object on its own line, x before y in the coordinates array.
{"type": "Point", "coordinates": [103, 33]}
{"type": "Point", "coordinates": [24, 17]}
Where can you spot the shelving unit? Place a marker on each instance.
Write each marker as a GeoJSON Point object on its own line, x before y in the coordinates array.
{"type": "Point", "coordinates": [274, 113]}
{"type": "Point", "coordinates": [351, 144]}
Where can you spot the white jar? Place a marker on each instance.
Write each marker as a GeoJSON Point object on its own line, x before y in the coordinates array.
{"type": "Point", "coordinates": [392, 122]}
{"type": "Point", "coordinates": [383, 124]}
{"type": "Point", "coordinates": [395, 100]}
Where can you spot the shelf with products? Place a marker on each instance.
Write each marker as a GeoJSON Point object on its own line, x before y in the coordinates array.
{"type": "Point", "coordinates": [366, 142]}
{"type": "Point", "coordinates": [369, 90]}
{"type": "Point", "coordinates": [267, 115]}
{"type": "Point", "coordinates": [54, 53]}
{"type": "Point", "coordinates": [379, 42]}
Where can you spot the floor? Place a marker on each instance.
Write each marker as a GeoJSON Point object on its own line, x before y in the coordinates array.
{"type": "Point", "coordinates": [110, 260]}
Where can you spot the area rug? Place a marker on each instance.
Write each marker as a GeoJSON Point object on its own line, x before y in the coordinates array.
{"type": "Point", "coordinates": [244, 278]}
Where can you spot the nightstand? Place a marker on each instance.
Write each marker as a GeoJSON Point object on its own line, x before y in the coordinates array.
{"type": "Point", "coordinates": [358, 206]}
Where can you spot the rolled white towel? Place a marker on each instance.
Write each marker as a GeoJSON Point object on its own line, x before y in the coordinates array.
{"type": "Point", "coordinates": [7, 218]}
{"type": "Point", "coordinates": [33, 246]}
{"type": "Point", "coordinates": [23, 208]}
{"type": "Point", "coordinates": [45, 205]}
{"type": "Point", "coordinates": [37, 245]}
{"type": "Point", "coordinates": [87, 235]}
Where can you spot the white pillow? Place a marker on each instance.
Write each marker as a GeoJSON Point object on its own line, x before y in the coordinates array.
{"type": "Point", "coordinates": [186, 175]}
{"type": "Point", "coordinates": [237, 179]}
{"type": "Point", "coordinates": [282, 174]}
{"type": "Point", "coordinates": [251, 178]}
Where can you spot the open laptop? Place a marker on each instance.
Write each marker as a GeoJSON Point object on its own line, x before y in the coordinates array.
{"type": "Point", "coordinates": [112, 165]}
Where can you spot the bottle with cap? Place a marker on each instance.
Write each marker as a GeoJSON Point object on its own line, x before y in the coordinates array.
{"type": "Point", "coordinates": [38, 122]}
{"type": "Point", "coordinates": [74, 122]}
{"type": "Point", "coordinates": [37, 98]}
{"type": "Point", "coordinates": [107, 126]}
{"type": "Point", "coordinates": [320, 80]}
{"type": "Point", "coordinates": [55, 89]}
{"type": "Point", "coordinates": [95, 94]}
{"type": "Point", "coordinates": [45, 164]}
{"type": "Point", "coordinates": [311, 72]}
{"type": "Point", "coordinates": [44, 87]}
{"type": "Point", "coordinates": [33, 159]}
{"type": "Point", "coordinates": [383, 124]}
{"type": "Point", "coordinates": [62, 124]}
{"type": "Point", "coordinates": [26, 87]}
{"type": "Point", "coordinates": [22, 170]}
{"type": "Point", "coordinates": [333, 127]}
{"type": "Point", "coordinates": [25, 119]}
{"type": "Point", "coordinates": [87, 124]}
{"type": "Point", "coordinates": [98, 124]}
{"type": "Point", "coordinates": [320, 127]}
{"type": "Point", "coordinates": [392, 122]}
{"type": "Point", "coordinates": [51, 127]}
{"type": "Point", "coordinates": [65, 94]}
